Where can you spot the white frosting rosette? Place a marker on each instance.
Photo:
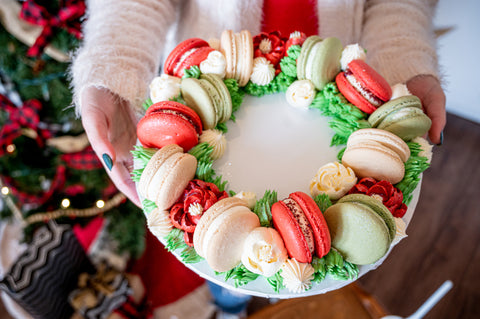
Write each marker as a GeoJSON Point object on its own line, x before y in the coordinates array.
{"type": "Point", "coordinates": [215, 63]}
{"type": "Point", "coordinates": [263, 71]}
{"type": "Point", "coordinates": [159, 223]}
{"type": "Point", "coordinates": [333, 179]}
{"type": "Point", "coordinates": [216, 140]}
{"type": "Point", "coordinates": [401, 228]}
{"type": "Point", "coordinates": [426, 148]}
{"type": "Point", "coordinates": [249, 197]}
{"type": "Point", "coordinates": [300, 94]}
{"type": "Point", "coordinates": [352, 52]}
{"type": "Point", "coordinates": [399, 90]}
{"type": "Point", "coordinates": [264, 251]}
{"type": "Point", "coordinates": [164, 88]}
{"type": "Point", "coordinates": [297, 277]}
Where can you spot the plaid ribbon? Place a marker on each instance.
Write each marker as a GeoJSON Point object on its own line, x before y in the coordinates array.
{"type": "Point", "coordinates": [67, 17]}
{"type": "Point", "coordinates": [38, 199]}
{"type": "Point", "coordinates": [131, 310]}
{"type": "Point", "coordinates": [26, 116]}
{"type": "Point", "coordinates": [83, 160]}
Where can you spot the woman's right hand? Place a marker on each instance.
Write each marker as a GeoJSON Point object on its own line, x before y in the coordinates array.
{"type": "Point", "coordinates": [111, 129]}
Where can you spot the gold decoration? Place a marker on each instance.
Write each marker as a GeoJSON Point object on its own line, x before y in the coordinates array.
{"type": "Point", "coordinates": [90, 286]}
{"type": "Point", "coordinates": [69, 144]}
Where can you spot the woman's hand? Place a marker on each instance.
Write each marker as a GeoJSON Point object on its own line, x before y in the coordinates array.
{"type": "Point", "coordinates": [110, 126]}
{"type": "Point", "coordinates": [429, 91]}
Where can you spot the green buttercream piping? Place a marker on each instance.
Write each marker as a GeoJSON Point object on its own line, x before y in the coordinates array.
{"type": "Point", "coordinates": [148, 205]}
{"type": "Point", "coordinates": [288, 64]}
{"type": "Point", "coordinates": [414, 167]}
{"type": "Point", "coordinates": [276, 281]}
{"type": "Point", "coordinates": [263, 208]}
{"type": "Point", "coordinates": [345, 117]}
{"type": "Point", "coordinates": [192, 72]}
{"type": "Point", "coordinates": [222, 127]}
{"type": "Point", "coordinates": [323, 202]}
{"type": "Point", "coordinates": [147, 104]}
{"type": "Point", "coordinates": [320, 270]}
{"type": "Point", "coordinates": [142, 155]}
{"type": "Point", "coordinates": [242, 276]}
{"type": "Point", "coordinates": [190, 256]}
{"type": "Point", "coordinates": [334, 265]}
{"type": "Point", "coordinates": [174, 240]}
{"type": "Point", "coordinates": [235, 93]}
{"type": "Point", "coordinates": [205, 171]}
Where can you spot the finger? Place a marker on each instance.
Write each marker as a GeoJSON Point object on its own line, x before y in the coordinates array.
{"type": "Point", "coordinates": [121, 175]}
{"type": "Point", "coordinates": [435, 109]}
{"type": "Point", "coordinates": [96, 126]}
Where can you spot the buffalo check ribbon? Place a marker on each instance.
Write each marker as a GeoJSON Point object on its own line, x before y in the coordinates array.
{"type": "Point", "coordinates": [18, 118]}
{"type": "Point", "coordinates": [67, 17]}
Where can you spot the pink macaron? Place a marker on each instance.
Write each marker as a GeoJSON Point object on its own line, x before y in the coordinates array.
{"type": "Point", "coordinates": [169, 122]}
{"type": "Point", "coordinates": [302, 227]}
{"type": "Point", "coordinates": [185, 55]}
{"type": "Point", "coordinates": [363, 86]}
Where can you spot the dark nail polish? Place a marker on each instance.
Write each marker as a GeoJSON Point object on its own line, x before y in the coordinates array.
{"type": "Point", "coordinates": [108, 161]}
{"type": "Point", "coordinates": [441, 139]}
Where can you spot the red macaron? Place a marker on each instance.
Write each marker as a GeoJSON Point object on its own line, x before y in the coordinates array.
{"type": "Point", "coordinates": [169, 122]}
{"type": "Point", "coordinates": [363, 86]}
{"type": "Point", "coordinates": [188, 53]}
{"type": "Point", "coordinates": [302, 227]}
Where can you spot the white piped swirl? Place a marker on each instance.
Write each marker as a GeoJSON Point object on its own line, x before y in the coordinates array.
{"type": "Point", "coordinates": [159, 223]}
{"type": "Point", "coordinates": [216, 140]}
{"type": "Point", "coordinates": [297, 277]}
{"type": "Point", "coordinates": [263, 71]}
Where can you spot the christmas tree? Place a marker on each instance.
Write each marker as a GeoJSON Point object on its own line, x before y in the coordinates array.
{"type": "Point", "coordinates": [47, 168]}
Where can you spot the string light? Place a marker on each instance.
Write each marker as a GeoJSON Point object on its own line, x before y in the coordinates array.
{"type": "Point", "coordinates": [5, 190]}
{"type": "Point", "coordinates": [65, 203]}
{"type": "Point", "coordinates": [10, 148]}
{"type": "Point", "coordinates": [100, 203]}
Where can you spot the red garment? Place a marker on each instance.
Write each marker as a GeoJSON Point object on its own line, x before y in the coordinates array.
{"type": "Point", "coordinates": [165, 278]}
{"type": "Point", "coordinates": [287, 16]}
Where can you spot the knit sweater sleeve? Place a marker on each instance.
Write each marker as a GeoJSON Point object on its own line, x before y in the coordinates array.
{"type": "Point", "coordinates": [121, 48]}
{"type": "Point", "coordinates": [399, 38]}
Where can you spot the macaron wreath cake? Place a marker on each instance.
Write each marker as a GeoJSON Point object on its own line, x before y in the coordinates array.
{"type": "Point", "coordinates": [353, 213]}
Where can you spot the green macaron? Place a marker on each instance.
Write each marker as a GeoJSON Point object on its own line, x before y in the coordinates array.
{"type": "Point", "coordinates": [377, 207]}
{"type": "Point", "coordinates": [402, 116]}
{"type": "Point", "coordinates": [198, 99]}
{"type": "Point", "coordinates": [209, 97]}
{"type": "Point", "coordinates": [319, 60]}
{"type": "Point", "coordinates": [221, 97]}
{"type": "Point", "coordinates": [357, 232]}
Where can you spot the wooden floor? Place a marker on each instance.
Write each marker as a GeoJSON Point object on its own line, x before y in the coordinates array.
{"type": "Point", "coordinates": [443, 237]}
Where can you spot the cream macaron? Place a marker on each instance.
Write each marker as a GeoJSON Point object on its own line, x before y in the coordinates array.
{"type": "Point", "coordinates": [166, 175]}
{"type": "Point", "coordinates": [376, 153]}
{"type": "Point", "coordinates": [221, 233]}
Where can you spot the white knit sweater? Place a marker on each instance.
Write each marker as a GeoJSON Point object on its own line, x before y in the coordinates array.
{"type": "Point", "coordinates": [126, 41]}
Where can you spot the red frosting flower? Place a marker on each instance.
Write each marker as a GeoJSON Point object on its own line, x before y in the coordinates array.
{"type": "Point", "coordinates": [197, 197]}
{"type": "Point", "coordinates": [270, 46]}
{"type": "Point", "coordinates": [296, 38]}
{"type": "Point", "coordinates": [390, 196]}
